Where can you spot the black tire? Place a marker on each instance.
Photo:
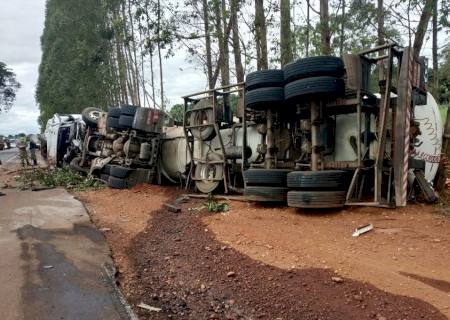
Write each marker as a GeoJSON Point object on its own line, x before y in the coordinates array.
{"type": "Point", "coordinates": [104, 177]}
{"type": "Point", "coordinates": [128, 110]}
{"type": "Point", "coordinates": [329, 87]}
{"type": "Point", "coordinates": [336, 180]}
{"type": "Point", "coordinates": [266, 194]}
{"type": "Point", "coordinates": [314, 67]}
{"type": "Point", "coordinates": [316, 199]}
{"type": "Point", "coordinates": [90, 116]}
{"type": "Point", "coordinates": [107, 169]}
{"type": "Point", "coordinates": [112, 122]}
{"type": "Point", "coordinates": [264, 79]}
{"type": "Point", "coordinates": [264, 97]}
{"type": "Point", "coordinates": [125, 121]}
{"type": "Point", "coordinates": [114, 112]}
{"type": "Point", "coordinates": [117, 183]}
{"type": "Point", "coordinates": [201, 116]}
{"type": "Point", "coordinates": [120, 172]}
{"type": "Point", "coordinates": [266, 177]}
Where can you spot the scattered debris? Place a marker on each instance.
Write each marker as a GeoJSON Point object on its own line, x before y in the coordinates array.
{"type": "Point", "coordinates": [362, 230]}
{"type": "Point", "coordinates": [181, 199]}
{"type": "Point", "coordinates": [51, 178]}
{"type": "Point", "coordinates": [149, 308]}
{"type": "Point", "coordinates": [337, 279]}
{"type": "Point", "coordinates": [171, 207]}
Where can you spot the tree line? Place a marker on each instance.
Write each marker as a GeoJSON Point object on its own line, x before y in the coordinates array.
{"type": "Point", "coordinates": [110, 52]}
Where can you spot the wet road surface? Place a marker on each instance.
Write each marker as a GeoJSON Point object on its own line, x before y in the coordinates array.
{"type": "Point", "coordinates": [52, 260]}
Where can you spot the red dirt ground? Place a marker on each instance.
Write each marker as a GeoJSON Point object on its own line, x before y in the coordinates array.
{"type": "Point", "coordinates": [263, 262]}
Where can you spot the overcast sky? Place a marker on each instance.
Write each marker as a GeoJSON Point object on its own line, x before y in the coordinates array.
{"type": "Point", "coordinates": [21, 26]}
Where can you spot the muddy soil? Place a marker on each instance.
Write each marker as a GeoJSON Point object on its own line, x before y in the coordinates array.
{"type": "Point", "coordinates": [174, 261]}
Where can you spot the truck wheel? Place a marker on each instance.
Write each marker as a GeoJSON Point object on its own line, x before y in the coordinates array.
{"type": "Point", "coordinates": [126, 121]}
{"type": "Point", "coordinates": [114, 112]}
{"type": "Point", "coordinates": [314, 67]}
{"type": "Point", "coordinates": [90, 116]}
{"type": "Point", "coordinates": [316, 199]}
{"type": "Point", "coordinates": [128, 110]}
{"type": "Point", "coordinates": [120, 172]}
{"type": "Point", "coordinates": [264, 78]}
{"type": "Point", "coordinates": [266, 194]}
{"type": "Point", "coordinates": [117, 183]}
{"type": "Point", "coordinates": [209, 175]}
{"type": "Point", "coordinates": [336, 180]}
{"type": "Point", "coordinates": [112, 122]}
{"type": "Point", "coordinates": [266, 177]}
{"type": "Point", "coordinates": [329, 87]}
{"type": "Point", "coordinates": [107, 169]}
{"type": "Point", "coordinates": [202, 116]}
{"type": "Point", "coordinates": [264, 97]}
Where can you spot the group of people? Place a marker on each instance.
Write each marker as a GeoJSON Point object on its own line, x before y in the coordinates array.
{"type": "Point", "coordinates": [22, 145]}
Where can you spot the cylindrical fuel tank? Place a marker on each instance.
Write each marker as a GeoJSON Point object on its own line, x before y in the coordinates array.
{"type": "Point", "coordinates": [429, 142]}
{"type": "Point", "coordinates": [145, 152]}
{"type": "Point", "coordinates": [175, 157]}
{"type": "Point", "coordinates": [174, 154]}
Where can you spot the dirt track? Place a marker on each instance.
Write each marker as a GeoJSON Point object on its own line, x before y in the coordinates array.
{"type": "Point", "coordinates": [257, 262]}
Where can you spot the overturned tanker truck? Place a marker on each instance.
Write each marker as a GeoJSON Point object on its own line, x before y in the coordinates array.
{"type": "Point", "coordinates": [319, 133]}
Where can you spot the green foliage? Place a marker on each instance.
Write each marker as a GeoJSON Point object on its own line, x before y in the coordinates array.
{"type": "Point", "coordinates": [58, 178]}
{"type": "Point", "coordinates": [215, 206]}
{"type": "Point", "coordinates": [74, 71]}
{"type": "Point", "coordinates": [176, 112]}
{"type": "Point", "coordinates": [212, 205]}
{"type": "Point", "coordinates": [360, 30]}
{"type": "Point", "coordinates": [8, 87]}
{"type": "Point", "coordinates": [444, 77]}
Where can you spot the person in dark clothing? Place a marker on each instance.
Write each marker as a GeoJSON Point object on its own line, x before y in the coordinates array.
{"type": "Point", "coordinates": [33, 148]}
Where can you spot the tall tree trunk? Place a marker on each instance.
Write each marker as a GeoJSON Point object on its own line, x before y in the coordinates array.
{"type": "Point", "coordinates": [221, 30]}
{"type": "Point", "coordinates": [151, 52]}
{"type": "Point", "coordinates": [435, 51]}
{"type": "Point", "coordinates": [308, 23]}
{"type": "Point", "coordinates": [161, 77]}
{"type": "Point", "coordinates": [342, 36]}
{"type": "Point", "coordinates": [135, 64]}
{"type": "Point", "coordinates": [285, 32]}
{"type": "Point", "coordinates": [209, 68]}
{"type": "Point", "coordinates": [422, 26]}
{"type": "Point", "coordinates": [236, 45]}
{"type": "Point", "coordinates": [325, 35]}
{"type": "Point", "coordinates": [152, 76]}
{"type": "Point", "coordinates": [380, 31]}
{"type": "Point", "coordinates": [261, 35]}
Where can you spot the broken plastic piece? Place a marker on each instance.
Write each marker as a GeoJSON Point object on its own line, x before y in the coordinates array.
{"type": "Point", "coordinates": [362, 230]}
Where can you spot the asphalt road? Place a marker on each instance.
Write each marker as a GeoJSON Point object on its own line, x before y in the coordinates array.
{"type": "Point", "coordinates": [54, 262]}
{"type": "Point", "coordinates": [8, 156]}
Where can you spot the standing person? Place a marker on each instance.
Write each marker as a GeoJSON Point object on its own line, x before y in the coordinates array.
{"type": "Point", "coordinates": [22, 146]}
{"type": "Point", "coordinates": [33, 148]}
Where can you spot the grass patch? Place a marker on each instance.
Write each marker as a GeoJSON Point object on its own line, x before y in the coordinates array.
{"type": "Point", "coordinates": [52, 178]}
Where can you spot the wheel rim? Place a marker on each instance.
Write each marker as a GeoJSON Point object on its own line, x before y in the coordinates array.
{"type": "Point", "coordinates": [94, 115]}
{"type": "Point", "coordinates": [207, 172]}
